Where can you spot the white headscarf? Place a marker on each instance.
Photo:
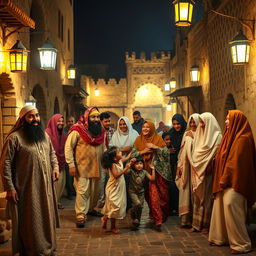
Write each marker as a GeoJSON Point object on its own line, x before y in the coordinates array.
{"type": "Point", "coordinates": [205, 145]}
{"type": "Point", "coordinates": [185, 153]}
{"type": "Point", "coordinates": [123, 139]}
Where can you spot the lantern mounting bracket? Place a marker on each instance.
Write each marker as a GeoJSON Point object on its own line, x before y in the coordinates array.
{"type": "Point", "coordinates": [6, 35]}
{"type": "Point", "coordinates": [243, 22]}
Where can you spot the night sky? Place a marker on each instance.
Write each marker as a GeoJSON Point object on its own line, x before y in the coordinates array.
{"type": "Point", "coordinates": [105, 30]}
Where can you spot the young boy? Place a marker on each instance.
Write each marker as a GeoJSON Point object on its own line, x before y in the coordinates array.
{"type": "Point", "coordinates": [136, 188]}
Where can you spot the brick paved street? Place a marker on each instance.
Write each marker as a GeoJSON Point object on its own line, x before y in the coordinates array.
{"type": "Point", "coordinates": [92, 240]}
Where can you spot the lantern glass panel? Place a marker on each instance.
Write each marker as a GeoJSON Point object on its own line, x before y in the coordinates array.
{"type": "Point", "coordinates": [183, 12]}
{"type": "Point", "coordinates": [169, 107]}
{"type": "Point", "coordinates": [48, 59]}
{"type": "Point", "coordinates": [18, 61]}
{"type": "Point", "coordinates": [167, 87]}
{"type": "Point", "coordinates": [195, 75]}
{"type": "Point", "coordinates": [97, 92]}
{"type": "Point", "coordinates": [173, 84]}
{"type": "Point", "coordinates": [71, 74]}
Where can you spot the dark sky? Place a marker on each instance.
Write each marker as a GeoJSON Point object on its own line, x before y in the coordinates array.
{"type": "Point", "coordinates": [105, 30]}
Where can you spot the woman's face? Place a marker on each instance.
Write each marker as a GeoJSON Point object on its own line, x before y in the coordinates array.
{"type": "Point", "coordinates": [227, 121]}
{"type": "Point", "coordinates": [122, 125]}
{"type": "Point", "coordinates": [176, 125]}
{"type": "Point", "coordinates": [192, 124]}
{"type": "Point", "coordinates": [145, 129]}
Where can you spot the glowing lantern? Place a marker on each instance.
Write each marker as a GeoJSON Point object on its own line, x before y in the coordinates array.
{"type": "Point", "coordinates": [71, 72]}
{"type": "Point", "coordinates": [194, 73]}
{"type": "Point", "coordinates": [169, 107]}
{"type": "Point", "coordinates": [97, 92]}
{"type": "Point", "coordinates": [173, 83]}
{"type": "Point", "coordinates": [183, 12]}
{"type": "Point", "coordinates": [240, 49]}
{"type": "Point", "coordinates": [31, 101]}
{"type": "Point", "coordinates": [48, 56]}
{"type": "Point", "coordinates": [167, 87]}
{"type": "Point", "coordinates": [18, 58]}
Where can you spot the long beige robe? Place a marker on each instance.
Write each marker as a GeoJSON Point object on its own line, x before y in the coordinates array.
{"type": "Point", "coordinates": [28, 169]}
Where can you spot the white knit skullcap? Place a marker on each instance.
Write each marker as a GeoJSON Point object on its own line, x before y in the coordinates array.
{"type": "Point", "coordinates": [25, 110]}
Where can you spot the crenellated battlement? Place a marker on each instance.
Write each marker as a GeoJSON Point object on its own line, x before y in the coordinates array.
{"type": "Point", "coordinates": [110, 82]}
{"type": "Point", "coordinates": [158, 56]}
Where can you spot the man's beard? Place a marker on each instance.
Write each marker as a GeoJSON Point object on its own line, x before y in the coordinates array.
{"type": "Point", "coordinates": [95, 128]}
{"type": "Point", "coordinates": [34, 133]}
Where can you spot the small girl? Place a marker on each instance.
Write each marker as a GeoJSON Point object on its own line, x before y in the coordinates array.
{"type": "Point", "coordinates": [115, 204]}
{"type": "Point", "coordinates": [136, 188]}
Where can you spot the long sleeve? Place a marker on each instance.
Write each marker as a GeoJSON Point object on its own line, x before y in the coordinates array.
{"type": "Point", "coordinates": [69, 148]}
{"type": "Point", "coordinates": [53, 158]}
{"type": "Point", "coordinates": [8, 156]}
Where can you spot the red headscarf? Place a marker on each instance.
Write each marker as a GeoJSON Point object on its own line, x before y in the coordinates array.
{"type": "Point", "coordinates": [82, 128]}
{"type": "Point", "coordinates": [58, 139]}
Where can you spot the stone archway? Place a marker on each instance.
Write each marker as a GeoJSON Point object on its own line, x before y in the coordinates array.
{"type": "Point", "coordinates": [149, 100]}
{"type": "Point", "coordinates": [56, 106]}
{"type": "Point", "coordinates": [38, 94]}
{"type": "Point", "coordinates": [229, 104]}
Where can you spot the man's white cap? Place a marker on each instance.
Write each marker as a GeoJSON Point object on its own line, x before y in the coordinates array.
{"type": "Point", "coordinates": [25, 110]}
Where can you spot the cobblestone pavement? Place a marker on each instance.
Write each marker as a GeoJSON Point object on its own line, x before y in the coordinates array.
{"type": "Point", "coordinates": [92, 240]}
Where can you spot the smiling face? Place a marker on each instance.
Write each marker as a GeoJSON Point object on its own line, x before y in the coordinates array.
{"type": "Point", "coordinates": [60, 124]}
{"type": "Point", "coordinates": [176, 125]}
{"type": "Point", "coordinates": [123, 126]}
{"type": "Point", "coordinates": [192, 124]}
{"type": "Point", "coordinates": [145, 129]}
{"type": "Point", "coordinates": [33, 117]}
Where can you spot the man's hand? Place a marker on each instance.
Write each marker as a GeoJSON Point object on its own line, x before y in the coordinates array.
{"type": "Point", "coordinates": [12, 196]}
{"type": "Point", "coordinates": [56, 175]}
{"type": "Point", "coordinates": [72, 171]}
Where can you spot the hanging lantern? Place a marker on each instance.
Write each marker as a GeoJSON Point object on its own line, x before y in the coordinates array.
{"type": "Point", "coordinates": [167, 87]}
{"type": "Point", "coordinates": [173, 83]}
{"type": "Point", "coordinates": [48, 56]}
{"type": "Point", "coordinates": [71, 72]}
{"type": "Point", "coordinates": [18, 58]}
{"type": "Point", "coordinates": [240, 49]}
{"type": "Point", "coordinates": [31, 101]}
{"type": "Point", "coordinates": [169, 107]}
{"type": "Point", "coordinates": [194, 74]}
{"type": "Point", "coordinates": [183, 12]}
{"type": "Point", "coordinates": [97, 92]}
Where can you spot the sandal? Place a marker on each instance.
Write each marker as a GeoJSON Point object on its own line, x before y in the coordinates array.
{"type": "Point", "coordinates": [239, 252]}
{"type": "Point", "coordinates": [104, 220]}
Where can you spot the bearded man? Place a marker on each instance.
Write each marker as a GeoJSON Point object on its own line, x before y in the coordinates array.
{"type": "Point", "coordinates": [28, 169]}
{"type": "Point", "coordinates": [83, 150]}
{"type": "Point", "coordinates": [55, 131]}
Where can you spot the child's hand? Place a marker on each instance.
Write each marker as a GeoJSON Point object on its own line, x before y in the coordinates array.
{"type": "Point", "coordinates": [151, 166]}
{"type": "Point", "coordinates": [128, 165]}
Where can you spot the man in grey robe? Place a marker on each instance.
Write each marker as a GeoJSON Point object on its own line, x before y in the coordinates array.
{"type": "Point", "coordinates": [28, 170]}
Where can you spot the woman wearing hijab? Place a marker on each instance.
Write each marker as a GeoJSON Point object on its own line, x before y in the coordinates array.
{"type": "Point", "coordinates": [124, 136]}
{"type": "Point", "coordinates": [58, 138]}
{"type": "Point", "coordinates": [152, 148]}
{"type": "Point", "coordinates": [179, 126]}
{"type": "Point", "coordinates": [183, 180]}
{"type": "Point", "coordinates": [206, 142]}
{"type": "Point", "coordinates": [234, 184]}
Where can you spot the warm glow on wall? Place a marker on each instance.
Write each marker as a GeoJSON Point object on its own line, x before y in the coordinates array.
{"type": "Point", "coordinates": [4, 60]}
